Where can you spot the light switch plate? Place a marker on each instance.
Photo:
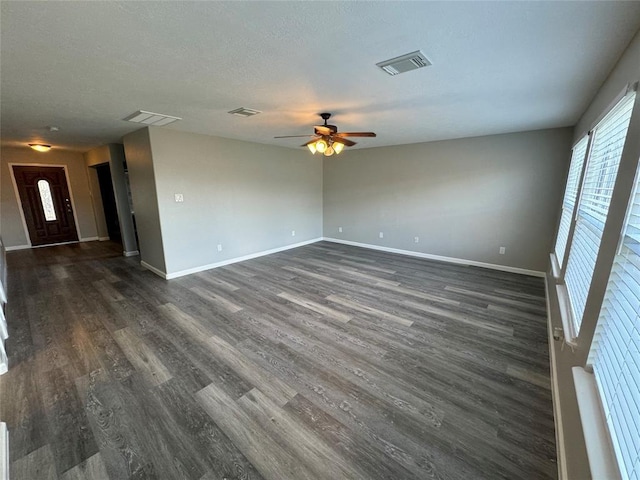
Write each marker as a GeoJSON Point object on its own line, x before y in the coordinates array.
{"type": "Point", "coordinates": [179, 197]}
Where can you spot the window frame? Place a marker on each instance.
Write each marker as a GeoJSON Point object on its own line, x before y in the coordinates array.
{"type": "Point", "coordinates": [571, 323]}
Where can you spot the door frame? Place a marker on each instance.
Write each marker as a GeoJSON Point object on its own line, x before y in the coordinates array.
{"type": "Point", "coordinates": [17, 193]}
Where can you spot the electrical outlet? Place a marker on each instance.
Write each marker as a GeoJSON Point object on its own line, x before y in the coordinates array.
{"type": "Point", "coordinates": [293, 233]}
{"type": "Point", "coordinates": [340, 229]}
{"type": "Point", "coordinates": [416, 239]}
{"type": "Point", "coordinates": [219, 247]}
{"type": "Point", "coordinates": [381, 235]}
{"type": "Point", "coordinates": [179, 197]}
{"type": "Point", "coordinates": [503, 250]}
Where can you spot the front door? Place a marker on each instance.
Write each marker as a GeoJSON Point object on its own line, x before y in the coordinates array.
{"type": "Point", "coordinates": [46, 203]}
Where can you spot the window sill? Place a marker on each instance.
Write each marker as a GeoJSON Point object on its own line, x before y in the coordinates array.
{"type": "Point", "coordinates": [602, 460]}
{"type": "Point", "coordinates": [4, 451]}
{"type": "Point", "coordinates": [570, 335]}
{"type": "Point", "coordinates": [555, 268]}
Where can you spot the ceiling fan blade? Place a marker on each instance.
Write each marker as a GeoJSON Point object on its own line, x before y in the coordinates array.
{"type": "Point", "coordinates": [344, 141]}
{"type": "Point", "coordinates": [355, 134]}
{"type": "Point", "coordinates": [294, 136]}
{"type": "Point", "coordinates": [322, 130]}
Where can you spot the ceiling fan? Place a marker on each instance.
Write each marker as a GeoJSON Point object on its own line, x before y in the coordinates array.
{"type": "Point", "coordinates": [327, 140]}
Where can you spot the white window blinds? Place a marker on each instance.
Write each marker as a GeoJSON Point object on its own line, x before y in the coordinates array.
{"type": "Point", "coordinates": [615, 351]}
{"type": "Point", "coordinates": [593, 206]}
{"type": "Point", "coordinates": [570, 195]}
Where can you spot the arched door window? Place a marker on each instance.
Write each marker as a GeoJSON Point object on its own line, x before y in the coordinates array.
{"type": "Point", "coordinates": [47, 200]}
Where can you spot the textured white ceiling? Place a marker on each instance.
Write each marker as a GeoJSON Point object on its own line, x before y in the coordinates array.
{"type": "Point", "coordinates": [497, 67]}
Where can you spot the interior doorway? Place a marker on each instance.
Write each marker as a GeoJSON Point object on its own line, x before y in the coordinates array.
{"type": "Point", "coordinates": [109, 202]}
{"type": "Point", "coordinates": [46, 204]}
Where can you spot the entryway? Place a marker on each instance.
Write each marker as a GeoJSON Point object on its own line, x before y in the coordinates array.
{"type": "Point", "coordinates": [46, 204]}
{"type": "Point", "coordinates": [109, 202]}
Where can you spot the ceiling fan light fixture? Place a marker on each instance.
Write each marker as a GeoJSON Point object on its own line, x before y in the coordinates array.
{"type": "Point", "coordinates": [329, 151]}
{"type": "Point", "coordinates": [40, 147]}
{"type": "Point", "coordinates": [312, 147]}
{"type": "Point", "coordinates": [338, 147]}
{"type": "Point", "coordinates": [321, 146]}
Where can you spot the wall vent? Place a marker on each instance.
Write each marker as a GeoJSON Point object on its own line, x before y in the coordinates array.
{"type": "Point", "coordinates": [244, 112]}
{"type": "Point", "coordinates": [405, 63]}
{"type": "Point", "coordinates": [150, 118]}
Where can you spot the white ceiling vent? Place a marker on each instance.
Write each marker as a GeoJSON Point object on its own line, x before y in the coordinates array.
{"type": "Point", "coordinates": [245, 112]}
{"type": "Point", "coordinates": [150, 118]}
{"type": "Point", "coordinates": [404, 63]}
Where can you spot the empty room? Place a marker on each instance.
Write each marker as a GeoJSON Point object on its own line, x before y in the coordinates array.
{"type": "Point", "coordinates": [291, 240]}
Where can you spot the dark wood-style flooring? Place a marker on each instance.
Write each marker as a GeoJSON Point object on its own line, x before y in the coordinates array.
{"type": "Point", "coordinates": [323, 362]}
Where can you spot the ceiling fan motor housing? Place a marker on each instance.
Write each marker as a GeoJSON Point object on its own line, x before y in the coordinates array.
{"type": "Point", "coordinates": [332, 128]}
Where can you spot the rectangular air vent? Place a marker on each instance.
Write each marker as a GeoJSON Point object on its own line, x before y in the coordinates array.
{"type": "Point", "coordinates": [405, 63]}
{"type": "Point", "coordinates": [150, 118]}
{"type": "Point", "coordinates": [245, 112]}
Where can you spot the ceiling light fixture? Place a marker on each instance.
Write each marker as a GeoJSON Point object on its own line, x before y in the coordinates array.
{"type": "Point", "coordinates": [40, 147]}
{"type": "Point", "coordinates": [326, 147]}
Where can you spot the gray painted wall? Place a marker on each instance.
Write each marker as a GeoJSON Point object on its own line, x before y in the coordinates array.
{"type": "Point", "coordinates": [463, 198]}
{"type": "Point", "coordinates": [626, 71]}
{"type": "Point", "coordinates": [145, 199]}
{"type": "Point", "coordinates": [247, 197]}
{"type": "Point", "coordinates": [13, 233]}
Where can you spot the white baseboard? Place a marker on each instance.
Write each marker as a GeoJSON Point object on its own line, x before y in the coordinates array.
{"type": "Point", "coordinates": [210, 266]}
{"type": "Point", "coordinates": [561, 453]}
{"type": "Point", "coordinates": [85, 239]}
{"type": "Point", "coordinates": [153, 269]}
{"type": "Point", "coordinates": [132, 253]}
{"type": "Point", "coordinates": [17, 247]}
{"type": "Point", "coordinates": [103, 239]}
{"type": "Point", "coordinates": [458, 261]}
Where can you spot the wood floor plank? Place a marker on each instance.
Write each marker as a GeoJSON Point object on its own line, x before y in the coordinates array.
{"type": "Point", "coordinates": [217, 299]}
{"type": "Point", "coordinates": [72, 441]}
{"type": "Point", "coordinates": [316, 307]}
{"type": "Point", "coordinates": [142, 357]}
{"type": "Point", "coordinates": [363, 453]}
{"type": "Point", "coordinates": [272, 460]}
{"type": "Point", "coordinates": [107, 291]}
{"type": "Point", "coordinates": [163, 443]}
{"type": "Point", "coordinates": [324, 461]}
{"type": "Point", "coordinates": [354, 305]}
{"type": "Point", "coordinates": [21, 409]}
{"type": "Point", "coordinates": [276, 389]}
{"type": "Point", "coordinates": [186, 322]}
{"type": "Point", "coordinates": [460, 318]}
{"type": "Point", "coordinates": [119, 443]}
{"type": "Point", "coordinates": [91, 469]}
{"type": "Point", "coordinates": [215, 448]}
{"type": "Point", "coordinates": [39, 464]}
